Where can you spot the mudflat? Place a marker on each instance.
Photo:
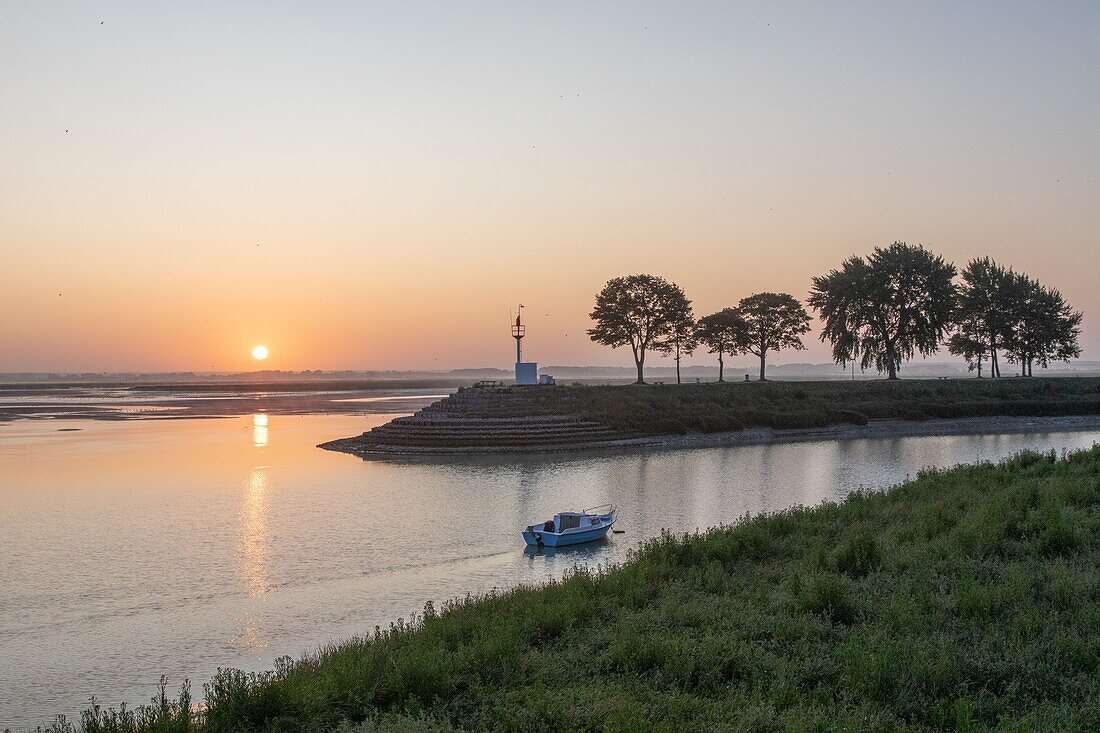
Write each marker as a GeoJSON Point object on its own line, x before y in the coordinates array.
{"type": "Point", "coordinates": [120, 401]}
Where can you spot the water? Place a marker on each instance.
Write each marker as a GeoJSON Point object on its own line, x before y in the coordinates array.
{"type": "Point", "coordinates": [139, 548]}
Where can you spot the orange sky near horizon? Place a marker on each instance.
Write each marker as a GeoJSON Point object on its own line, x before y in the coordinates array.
{"type": "Point", "coordinates": [375, 186]}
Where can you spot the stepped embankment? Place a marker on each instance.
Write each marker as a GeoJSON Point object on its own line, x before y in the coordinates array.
{"type": "Point", "coordinates": [509, 419]}
{"type": "Point", "coordinates": [489, 420]}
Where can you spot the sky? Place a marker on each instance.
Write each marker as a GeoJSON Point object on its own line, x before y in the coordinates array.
{"type": "Point", "coordinates": [375, 185]}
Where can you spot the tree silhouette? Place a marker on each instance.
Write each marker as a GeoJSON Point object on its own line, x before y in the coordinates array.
{"type": "Point", "coordinates": [681, 340]}
{"type": "Point", "coordinates": [969, 343]}
{"type": "Point", "coordinates": [983, 313]}
{"type": "Point", "coordinates": [719, 332]}
{"type": "Point", "coordinates": [886, 308]}
{"type": "Point", "coordinates": [770, 322]}
{"type": "Point", "coordinates": [638, 311]}
{"type": "Point", "coordinates": [1042, 326]}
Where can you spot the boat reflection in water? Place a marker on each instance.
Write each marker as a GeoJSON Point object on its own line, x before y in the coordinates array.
{"type": "Point", "coordinates": [577, 552]}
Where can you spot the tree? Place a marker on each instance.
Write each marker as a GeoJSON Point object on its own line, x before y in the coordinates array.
{"type": "Point", "coordinates": [638, 311]}
{"type": "Point", "coordinates": [886, 308]}
{"type": "Point", "coordinates": [983, 311]}
{"type": "Point", "coordinates": [680, 340]}
{"type": "Point", "coordinates": [969, 343]}
{"type": "Point", "coordinates": [1041, 325]}
{"type": "Point", "coordinates": [770, 322]}
{"type": "Point", "coordinates": [718, 332]}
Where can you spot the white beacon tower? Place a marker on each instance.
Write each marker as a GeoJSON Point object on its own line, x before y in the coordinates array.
{"type": "Point", "coordinates": [527, 372]}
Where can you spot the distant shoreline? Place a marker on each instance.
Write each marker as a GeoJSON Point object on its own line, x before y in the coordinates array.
{"type": "Point", "coordinates": [874, 429]}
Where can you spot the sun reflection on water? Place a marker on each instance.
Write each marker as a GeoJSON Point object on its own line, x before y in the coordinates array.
{"type": "Point", "coordinates": [259, 430]}
{"type": "Point", "coordinates": [252, 633]}
{"type": "Point", "coordinates": [253, 535]}
{"type": "Point", "coordinates": [253, 539]}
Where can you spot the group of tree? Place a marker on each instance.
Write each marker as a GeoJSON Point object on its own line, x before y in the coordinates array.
{"type": "Point", "coordinates": [999, 309]}
{"type": "Point", "coordinates": [902, 300]}
{"type": "Point", "coordinates": [886, 308]}
{"type": "Point", "coordinates": [878, 311]}
{"type": "Point", "coordinates": [648, 313]}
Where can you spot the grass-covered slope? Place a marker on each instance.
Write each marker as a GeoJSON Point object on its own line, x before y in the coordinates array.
{"type": "Point", "coordinates": [966, 599]}
{"type": "Point", "coordinates": [520, 419]}
{"type": "Point", "coordinates": [667, 409]}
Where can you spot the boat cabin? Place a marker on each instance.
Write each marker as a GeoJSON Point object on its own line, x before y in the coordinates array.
{"type": "Point", "coordinates": [570, 520]}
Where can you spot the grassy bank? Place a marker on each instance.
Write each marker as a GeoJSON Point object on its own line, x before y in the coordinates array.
{"type": "Point", "coordinates": [966, 599]}
{"type": "Point", "coordinates": [677, 409]}
{"type": "Point", "coordinates": [522, 419]}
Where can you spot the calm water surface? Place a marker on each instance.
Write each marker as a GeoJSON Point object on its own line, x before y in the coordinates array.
{"type": "Point", "coordinates": [135, 549]}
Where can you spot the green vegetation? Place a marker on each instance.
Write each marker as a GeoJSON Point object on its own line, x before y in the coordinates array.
{"type": "Point", "coordinates": [662, 409]}
{"type": "Point", "coordinates": [967, 599]}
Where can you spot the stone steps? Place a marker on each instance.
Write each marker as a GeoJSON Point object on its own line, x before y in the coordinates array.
{"type": "Point", "coordinates": [495, 418]}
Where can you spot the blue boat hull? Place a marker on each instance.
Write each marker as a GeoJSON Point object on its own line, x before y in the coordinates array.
{"type": "Point", "coordinates": [550, 539]}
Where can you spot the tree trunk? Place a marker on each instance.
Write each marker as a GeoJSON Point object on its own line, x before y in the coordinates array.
{"type": "Point", "coordinates": [720, 366]}
{"type": "Point", "coordinates": [677, 366]}
{"type": "Point", "coordinates": [762, 355]}
{"type": "Point", "coordinates": [891, 362]}
{"type": "Point", "coordinates": [639, 361]}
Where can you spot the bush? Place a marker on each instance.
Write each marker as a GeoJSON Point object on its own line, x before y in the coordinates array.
{"type": "Point", "coordinates": [828, 595]}
{"type": "Point", "coordinates": [858, 555]}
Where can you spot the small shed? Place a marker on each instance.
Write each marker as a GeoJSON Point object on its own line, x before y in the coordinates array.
{"type": "Point", "coordinates": [527, 373]}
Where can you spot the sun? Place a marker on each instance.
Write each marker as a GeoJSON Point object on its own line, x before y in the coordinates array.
{"type": "Point", "coordinates": [259, 352]}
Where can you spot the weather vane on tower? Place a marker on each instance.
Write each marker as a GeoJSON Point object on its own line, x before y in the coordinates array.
{"type": "Point", "coordinates": [518, 329]}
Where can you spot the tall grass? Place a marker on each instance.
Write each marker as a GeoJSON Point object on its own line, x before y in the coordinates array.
{"type": "Point", "coordinates": [966, 599]}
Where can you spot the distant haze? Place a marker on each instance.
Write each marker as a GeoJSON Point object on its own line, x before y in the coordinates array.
{"type": "Point", "coordinates": [365, 186]}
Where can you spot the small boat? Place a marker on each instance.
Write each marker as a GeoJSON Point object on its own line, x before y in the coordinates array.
{"type": "Point", "coordinates": [570, 528]}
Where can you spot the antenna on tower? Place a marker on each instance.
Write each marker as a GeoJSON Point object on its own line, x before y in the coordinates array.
{"type": "Point", "coordinates": [518, 331]}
